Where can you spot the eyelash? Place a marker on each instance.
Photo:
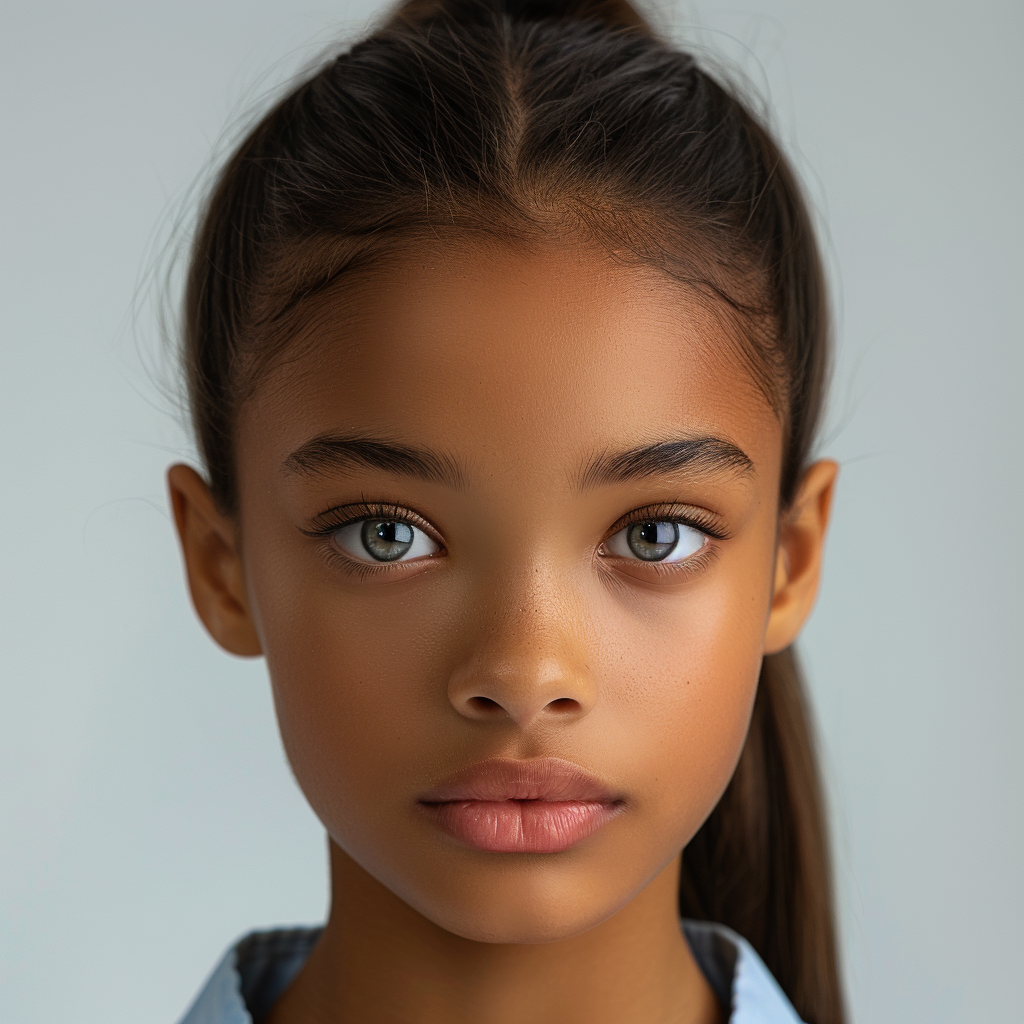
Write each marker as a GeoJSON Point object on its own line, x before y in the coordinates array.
{"type": "Point", "coordinates": [698, 519]}
{"type": "Point", "coordinates": [327, 523]}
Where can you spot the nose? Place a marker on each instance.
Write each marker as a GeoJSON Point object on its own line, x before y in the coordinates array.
{"type": "Point", "coordinates": [527, 661]}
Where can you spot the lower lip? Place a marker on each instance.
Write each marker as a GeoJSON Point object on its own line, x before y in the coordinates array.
{"type": "Point", "coordinates": [521, 826]}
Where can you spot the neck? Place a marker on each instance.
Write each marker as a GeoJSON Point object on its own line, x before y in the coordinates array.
{"type": "Point", "coordinates": [379, 961]}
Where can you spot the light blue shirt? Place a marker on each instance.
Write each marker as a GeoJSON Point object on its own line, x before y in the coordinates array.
{"type": "Point", "coordinates": [254, 973]}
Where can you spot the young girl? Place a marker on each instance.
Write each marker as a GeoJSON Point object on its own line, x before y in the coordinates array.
{"type": "Point", "coordinates": [506, 342]}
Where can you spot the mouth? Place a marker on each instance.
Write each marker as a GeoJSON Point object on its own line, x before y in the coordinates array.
{"type": "Point", "coordinates": [505, 805]}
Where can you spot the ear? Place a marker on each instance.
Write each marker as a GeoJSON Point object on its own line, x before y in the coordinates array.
{"type": "Point", "coordinates": [212, 562]}
{"type": "Point", "coordinates": [798, 558]}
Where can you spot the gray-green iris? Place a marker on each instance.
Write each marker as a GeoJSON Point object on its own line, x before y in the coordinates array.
{"type": "Point", "coordinates": [386, 539]}
{"type": "Point", "coordinates": [652, 541]}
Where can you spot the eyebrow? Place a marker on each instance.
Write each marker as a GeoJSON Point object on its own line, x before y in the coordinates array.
{"type": "Point", "coordinates": [700, 454]}
{"type": "Point", "coordinates": [330, 453]}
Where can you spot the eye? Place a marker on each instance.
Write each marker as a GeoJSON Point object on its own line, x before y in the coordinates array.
{"type": "Point", "coordinates": [383, 540]}
{"type": "Point", "coordinates": [656, 540]}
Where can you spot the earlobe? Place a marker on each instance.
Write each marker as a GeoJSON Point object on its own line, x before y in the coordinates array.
{"type": "Point", "coordinates": [799, 556]}
{"type": "Point", "coordinates": [212, 563]}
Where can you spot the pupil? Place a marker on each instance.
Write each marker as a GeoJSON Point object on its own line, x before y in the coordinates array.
{"type": "Point", "coordinates": [652, 541]}
{"type": "Point", "coordinates": [386, 539]}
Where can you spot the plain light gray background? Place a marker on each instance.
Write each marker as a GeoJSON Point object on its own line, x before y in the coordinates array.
{"type": "Point", "coordinates": [146, 813]}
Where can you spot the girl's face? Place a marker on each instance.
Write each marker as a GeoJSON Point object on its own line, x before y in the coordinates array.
{"type": "Point", "coordinates": [514, 506]}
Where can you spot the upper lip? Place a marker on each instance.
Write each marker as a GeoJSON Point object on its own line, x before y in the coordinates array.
{"type": "Point", "coordinates": [507, 778]}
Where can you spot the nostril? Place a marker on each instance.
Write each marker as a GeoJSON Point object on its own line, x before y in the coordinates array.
{"type": "Point", "coordinates": [479, 706]}
{"type": "Point", "coordinates": [483, 704]}
{"type": "Point", "coordinates": [564, 704]}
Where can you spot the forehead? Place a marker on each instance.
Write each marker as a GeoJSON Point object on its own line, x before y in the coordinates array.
{"type": "Point", "coordinates": [544, 354]}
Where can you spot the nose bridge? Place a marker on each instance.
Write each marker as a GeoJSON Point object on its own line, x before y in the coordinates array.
{"type": "Point", "coordinates": [526, 656]}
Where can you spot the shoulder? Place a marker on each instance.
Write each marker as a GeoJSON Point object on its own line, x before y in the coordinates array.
{"type": "Point", "coordinates": [251, 976]}
{"type": "Point", "coordinates": [738, 975]}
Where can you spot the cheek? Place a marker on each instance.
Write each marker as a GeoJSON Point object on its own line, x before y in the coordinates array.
{"type": "Point", "coordinates": [358, 679]}
{"type": "Point", "coordinates": [698, 737]}
{"type": "Point", "coordinates": [687, 677]}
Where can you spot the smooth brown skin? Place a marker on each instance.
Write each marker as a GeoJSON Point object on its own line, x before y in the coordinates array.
{"type": "Point", "coordinates": [522, 636]}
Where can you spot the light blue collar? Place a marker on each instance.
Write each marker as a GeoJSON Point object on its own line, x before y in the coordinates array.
{"type": "Point", "coordinates": [255, 972]}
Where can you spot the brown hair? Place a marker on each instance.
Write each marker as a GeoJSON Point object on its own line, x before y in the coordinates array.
{"type": "Point", "coordinates": [518, 119]}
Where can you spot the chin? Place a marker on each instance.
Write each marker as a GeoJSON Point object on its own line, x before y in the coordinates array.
{"type": "Point", "coordinates": [511, 912]}
{"type": "Point", "coordinates": [516, 926]}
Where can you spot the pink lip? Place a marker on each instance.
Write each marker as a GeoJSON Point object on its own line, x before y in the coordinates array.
{"type": "Point", "coordinates": [509, 806]}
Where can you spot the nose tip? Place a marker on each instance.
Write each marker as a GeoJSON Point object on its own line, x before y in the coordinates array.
{"type": "Point", "coordinates": [523, 694]}
{"type": "Point", "coordinates": [526, 650]}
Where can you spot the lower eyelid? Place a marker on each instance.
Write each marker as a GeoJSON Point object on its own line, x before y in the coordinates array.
{"type": "Point", "coordinates": [339, 560]}
{"type": "Point", "coordinates": [685, 568]}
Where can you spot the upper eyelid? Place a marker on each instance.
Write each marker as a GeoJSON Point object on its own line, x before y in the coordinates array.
{"type": "Point", "coordinates": [363, 510]}
{"type": "Point", "coordinates": [689, 515]}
